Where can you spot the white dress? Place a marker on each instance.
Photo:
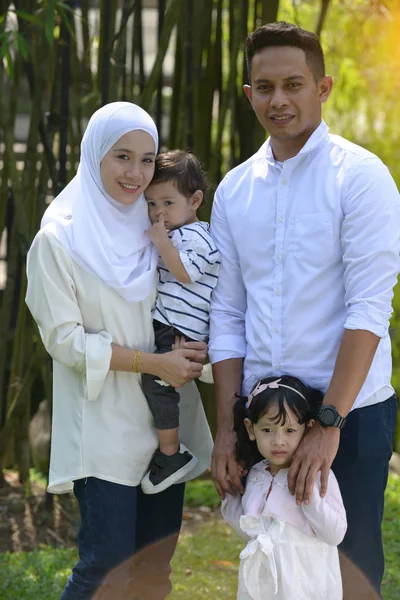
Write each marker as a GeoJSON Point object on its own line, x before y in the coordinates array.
{"type": "Point", "coordinates": [102, 425]}
{"type": "Point", "coordinates": [291, 551]}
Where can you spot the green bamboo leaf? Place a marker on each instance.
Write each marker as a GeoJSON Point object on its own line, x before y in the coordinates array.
{"type": "Point", "coordinates": [4, 41]}
{"type": "Point", "coordinates": [8, 60]}
{"type": "Point", "coordinates": [22, 45]}
{"type": "Point", "coordinates": [66, 21]}
{"type": "Point", "coordinates": [63, 6]}
{"type": "Point", "coordinates": [93, 96]}
{"type": "Point", "coordinates": [28, 17]}
{"type": "Point", "coordinates": [49, 22]}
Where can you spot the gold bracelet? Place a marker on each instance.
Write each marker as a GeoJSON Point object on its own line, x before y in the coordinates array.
{"type": "Point", "coordinates": [135, 365]}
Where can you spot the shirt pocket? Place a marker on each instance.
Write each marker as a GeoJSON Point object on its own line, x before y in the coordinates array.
{"type": "Point", "coordinates": [315, 242]}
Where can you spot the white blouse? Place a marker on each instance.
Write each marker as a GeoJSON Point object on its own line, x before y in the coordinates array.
{"type": "Point", "coordinates": [102, 426]}
{"type": "Point", "coordinates": [291, 551]}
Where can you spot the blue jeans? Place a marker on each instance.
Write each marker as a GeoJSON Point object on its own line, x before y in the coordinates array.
{"type": "Point", "coordinates": [128, 533]}
{"type": "Point", "coordinates": [361, 467]}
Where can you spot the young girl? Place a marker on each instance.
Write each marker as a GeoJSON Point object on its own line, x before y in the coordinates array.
{"type": "Point", "coordinates": [291, 551]}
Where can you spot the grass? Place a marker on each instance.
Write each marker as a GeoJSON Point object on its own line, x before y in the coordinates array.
{"type": "Point", "coordinates": [205, 564]}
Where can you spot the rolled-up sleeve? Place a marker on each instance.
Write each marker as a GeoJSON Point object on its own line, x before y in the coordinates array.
{"type": "Point", "coordinates": [370, 239]}
{"type": "Point", "coordinates": [196, 258]}
{"type": "Point", "coordinates": [228, 300]}
{"type": "Point", "coordinates": [52, 301]}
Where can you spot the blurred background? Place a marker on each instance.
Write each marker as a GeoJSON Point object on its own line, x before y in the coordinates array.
{"type": "Point", "coordinates": [182, 60]}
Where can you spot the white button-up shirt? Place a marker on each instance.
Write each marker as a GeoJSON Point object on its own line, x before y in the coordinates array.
{"type": "Point", "coordinates": [308, 247]}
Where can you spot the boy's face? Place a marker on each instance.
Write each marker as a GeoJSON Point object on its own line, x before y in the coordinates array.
{"type": "Point", "coordinates": [164, 199]}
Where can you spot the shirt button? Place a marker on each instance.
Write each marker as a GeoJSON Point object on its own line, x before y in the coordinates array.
{"type": "Point", "coordinates": [278, 367]}
{"type": "Point", "coordinates": [276, 330]}
{"type": "Point", "coordinates": [277, 293]}
{"type": "Point", "coordinates": [278, 257]}
{"type": "Point", "coordinates": [280, 219]}
{"type": "Point", "coordinates": [284, 181]}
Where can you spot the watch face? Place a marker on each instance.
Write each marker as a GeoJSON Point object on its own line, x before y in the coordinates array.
{"type": "Point", "coordinates": [328, 416]}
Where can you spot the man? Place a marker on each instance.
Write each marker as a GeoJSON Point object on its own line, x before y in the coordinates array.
{"type": "Point", "coordinates": [308, 231]}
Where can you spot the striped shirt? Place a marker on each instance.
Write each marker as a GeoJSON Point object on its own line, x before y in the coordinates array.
{"type": "Point", "coordinates": [186, 306]}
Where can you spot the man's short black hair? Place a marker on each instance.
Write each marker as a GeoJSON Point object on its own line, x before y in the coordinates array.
{"type": "Point", "coordinates": [282, 33]}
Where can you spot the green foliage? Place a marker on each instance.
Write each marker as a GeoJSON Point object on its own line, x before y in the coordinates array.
{"type": "Point", "coordinates": [201, 492]}
{"type": "Point", "coordinates": [391, 537]}
{"type": "Point", "coordinates": [360, 39]}
{"type": "Point", "coordinates": [205, 564]}
{"type": "Point", "coordinates": [33, 575]}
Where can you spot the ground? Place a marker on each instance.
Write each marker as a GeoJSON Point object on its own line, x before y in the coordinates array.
{"type": "Point", "coordinates": [205, 564]}
{"type": "Point", "coordinates": [27, 524]}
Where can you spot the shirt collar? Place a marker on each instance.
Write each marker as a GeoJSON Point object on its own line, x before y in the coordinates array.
{"type": "Point", "coordinates": [318, 137]}
{"type": "Point", "coordinates": [280, 478]}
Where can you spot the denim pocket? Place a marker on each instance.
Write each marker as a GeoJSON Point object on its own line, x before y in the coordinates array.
{"type": "Point", "coordinates": [388, 411]}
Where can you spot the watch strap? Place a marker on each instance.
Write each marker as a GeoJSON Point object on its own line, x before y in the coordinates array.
{"type": "Point", "coordinates": [338, 421]}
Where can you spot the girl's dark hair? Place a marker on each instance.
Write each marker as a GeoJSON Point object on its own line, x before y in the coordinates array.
{"type": "Point", "coordinates": [184, 169]}
{"type": "Point", "coordinates": [246, 451]}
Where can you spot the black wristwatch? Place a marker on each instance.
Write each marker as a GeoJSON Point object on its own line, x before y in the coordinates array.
{"type": "Point", "coordinates": [328, 416]}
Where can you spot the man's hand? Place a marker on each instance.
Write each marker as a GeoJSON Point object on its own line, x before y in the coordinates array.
{"type": "Point", "coordinates": [225, 471]}
{"type": "Point", "coordinates": [157, 232]}
{"type": "Point", "coordinates": [315, 453]}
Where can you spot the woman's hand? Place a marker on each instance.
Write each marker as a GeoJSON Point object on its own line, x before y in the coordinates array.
{"type": "Point", "coordinates": [179, 366]}
{"type": "Point", "coordinates": [201, 347]}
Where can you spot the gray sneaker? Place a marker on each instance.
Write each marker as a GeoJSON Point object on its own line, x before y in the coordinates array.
{"type": "Point", "coordinates": [165, 470]}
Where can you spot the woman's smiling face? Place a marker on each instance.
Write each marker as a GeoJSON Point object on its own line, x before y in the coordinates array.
{"type": "Point", "coordinates": [128, 167]}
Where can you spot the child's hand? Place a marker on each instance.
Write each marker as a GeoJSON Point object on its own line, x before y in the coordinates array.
{"type": "Point", "coordinates": [157, 232]}
{"type": "Point", "coordinates": [179, 342]}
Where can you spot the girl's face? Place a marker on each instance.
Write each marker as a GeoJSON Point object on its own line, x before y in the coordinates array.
{"type": "Point", "coordinates": [277, 442]}
{"type": "Point", "coordinates": [128, 167]}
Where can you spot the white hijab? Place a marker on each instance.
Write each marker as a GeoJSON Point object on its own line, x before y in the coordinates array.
{"type": "Point", "coordinates": [103, 236]}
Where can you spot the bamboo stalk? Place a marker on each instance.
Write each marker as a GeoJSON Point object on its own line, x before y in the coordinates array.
{"type": "Point", "coordinates": [189, 91]}
{"type": "Point", "coordinates": [138, 44]}
{"type": "Point", "coordinates": [16, 406]}
{"type": "Point", "coordinates": [118, 73]}
{"type": "Point", "coordinates": [159, 99]}
{"type": "Point", "coordinates": [176, 93]}
{"type": "Point", "coordinates": [171, 17]}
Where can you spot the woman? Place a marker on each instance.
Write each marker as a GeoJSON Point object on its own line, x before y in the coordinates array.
{"type": "Point", "coordinates": [91, 288]}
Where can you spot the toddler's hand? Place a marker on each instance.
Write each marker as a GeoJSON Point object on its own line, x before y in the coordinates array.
{"type": "Point", "coordinates": [157, 232]}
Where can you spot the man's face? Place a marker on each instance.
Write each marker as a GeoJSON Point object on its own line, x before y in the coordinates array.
{"type": "Point", "coordinates": [286, 98]}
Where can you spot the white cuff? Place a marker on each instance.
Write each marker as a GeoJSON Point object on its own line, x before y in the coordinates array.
{"type": "Point", "coordinates": [98, 357]}
{"type": "Point", "coordinates": [224, 347]}
{"type": "Point", "coordinates": [367, 322]}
